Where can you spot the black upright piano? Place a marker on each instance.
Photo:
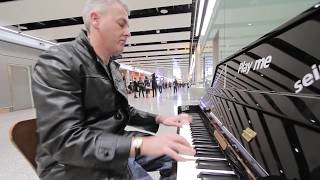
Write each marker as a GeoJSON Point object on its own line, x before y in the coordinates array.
{"type": "Point", "coordinates": [260, 119]}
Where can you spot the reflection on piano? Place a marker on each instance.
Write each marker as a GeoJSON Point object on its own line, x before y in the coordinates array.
{"type": "Point", "coordinates": [260, 119]}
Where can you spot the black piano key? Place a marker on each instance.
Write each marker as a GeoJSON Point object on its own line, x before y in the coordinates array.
{"type": "Point", "coordinates": [211, 155]}
{"type": "Point", "coordinates": [208, 149]}
{"type": "Point", "coordinates": [210, 160]}
{"type": "Point", "coordinates": [195, 124]}
{"type": "Point", "coordinates": [199, 136]}
{"type": "Point", "coordinates": [194, 114]}
{"type": "Point", "coordinates": [205, 143]}
{"type": "Point", "coordinates": [208, 138]}
{"type": "Point", "coordinates": [194, 121]}
{"type": "Point", "coordinates": [217, 165]}
{"type": "Point", "coordinates": [219, 153]}
{"type": "Point", "coordinates": [200, 133]}
{"type": "Point", "coordinates": [201, 141]}
{"type": "Point", "coordinates": [199, 129]}
{"type": "Point", "coordinates": [203, 129]}
{"type": "Point", "coordinates": [202, 138]}
{"type": "Point", "coordinates": [216, 176]}
{"type": "Point", "coordinates": [205, 146]}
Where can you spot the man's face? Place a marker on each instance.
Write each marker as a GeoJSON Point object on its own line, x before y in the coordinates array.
{"type": "Point", "coordinates": [113, 29]}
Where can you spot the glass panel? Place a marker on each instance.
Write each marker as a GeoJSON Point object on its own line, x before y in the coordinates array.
{"type": "Point", "coordinates": [236, 24]}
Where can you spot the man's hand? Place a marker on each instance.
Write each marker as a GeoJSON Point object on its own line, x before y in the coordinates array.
{"type": "Point", "coordinates": [167, 144]}
{"type": "Point", "coordinates": [174, 120]}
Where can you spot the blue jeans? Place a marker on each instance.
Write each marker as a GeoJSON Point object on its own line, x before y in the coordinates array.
{"type": "Point", "coordinates": [140, 165]}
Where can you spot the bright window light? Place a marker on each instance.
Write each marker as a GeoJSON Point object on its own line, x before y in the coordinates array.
{"type": "Point", "coordinates": [176, 70]}
{"type": "Point", "coordinates": [210, 7]}
{"type": "Point", "coordinates": [200, 12]}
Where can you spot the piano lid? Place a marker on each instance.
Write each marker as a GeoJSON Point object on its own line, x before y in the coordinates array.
{"type": "Point", "coordinates": [272, 87]}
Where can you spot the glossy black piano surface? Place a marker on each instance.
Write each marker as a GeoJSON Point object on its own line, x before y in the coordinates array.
{"type": "Point", "coordinates": [272, 87]}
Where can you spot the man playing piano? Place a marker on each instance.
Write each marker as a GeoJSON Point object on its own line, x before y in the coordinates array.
{"type": "Point", "coordinates": [82, 108]}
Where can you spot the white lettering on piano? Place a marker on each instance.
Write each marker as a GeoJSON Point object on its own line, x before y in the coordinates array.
{"type": "Point", "coordinates": [262, 63]}
{"type": "Point", "coordinates": [308, 79]}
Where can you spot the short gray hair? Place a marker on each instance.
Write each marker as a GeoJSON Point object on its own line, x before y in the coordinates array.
{"type": "Point", "coordinates": [100, 6]}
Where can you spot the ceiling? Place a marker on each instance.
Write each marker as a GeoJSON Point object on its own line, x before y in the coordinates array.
{"type": "Point", "coordinates": [159, 43]}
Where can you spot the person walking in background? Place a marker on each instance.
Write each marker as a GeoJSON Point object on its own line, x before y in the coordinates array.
{"type": "Point", "coordinates": [130, 87]}
{"type": "Point", "coordinates": [154, 85]}
{"type": "Point", "coordinates": [147, 86]}
{"type": "Point", "coordinates": [135, 87]}
{"type": "Point", "coordinates": [141, 87]}
{"type": "Point", "coordinates": [160, 86]}
{"type": "Point", "coordinates": [175, 86]}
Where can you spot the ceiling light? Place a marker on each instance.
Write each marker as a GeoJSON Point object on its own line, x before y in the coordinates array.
{"type": "Point", "coordinates": [208, 16]}
{"type": "Point", "coordinates": [249, 24]}
{"type": "Point", "coordinates": [163, 11]}
{"type": "Point", "coordinates": [199, 17]}
{"type": "Point", "coordinates": [158, 31]}
{"type": "Point", "coordinates": [163, 42]}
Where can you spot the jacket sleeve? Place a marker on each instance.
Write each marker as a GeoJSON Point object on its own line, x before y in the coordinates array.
{"type": "Point", "coordinates": [144, 120]}
{"type": "Point", "coordinates": [56, 88]}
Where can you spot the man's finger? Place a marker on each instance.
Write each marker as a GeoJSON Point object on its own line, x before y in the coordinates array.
{"type": "Point", "coordinates": [181, 140]}
{"type": "Point", "coordinates": [175, 123]}
{"type": "Point", "coordinates": [185, 117]}
{"type": "Point", "coordinates": [174, 155]}
{"type": "Point", "coordinates": [182, 149]}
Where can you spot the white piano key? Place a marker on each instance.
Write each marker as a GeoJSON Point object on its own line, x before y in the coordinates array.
{"type": "Point", "coordinates": [187, 169]}
{"type": "Point", "coordinates": [192, 158]}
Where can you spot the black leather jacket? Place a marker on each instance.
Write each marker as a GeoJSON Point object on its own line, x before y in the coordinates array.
{"type": "Point", "coordinates": [82, 110]}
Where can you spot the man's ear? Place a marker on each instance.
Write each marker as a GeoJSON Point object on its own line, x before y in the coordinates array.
{"type": "Point", "coordinates": [95, 19]}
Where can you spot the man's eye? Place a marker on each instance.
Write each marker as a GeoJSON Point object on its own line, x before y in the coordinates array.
{"type": "Point", "coordinates": [121, 24]}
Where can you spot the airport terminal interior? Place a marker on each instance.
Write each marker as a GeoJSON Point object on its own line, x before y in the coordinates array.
{"type": "Point", "coordinates": [249, 70]}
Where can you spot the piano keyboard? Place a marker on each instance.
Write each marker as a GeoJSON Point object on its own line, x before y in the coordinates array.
{"type": "Point", "coordinates": [209, 162]}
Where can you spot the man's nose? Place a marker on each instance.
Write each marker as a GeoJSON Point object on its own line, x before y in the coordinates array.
{"type": "Point", "coordinates": [127, 33]}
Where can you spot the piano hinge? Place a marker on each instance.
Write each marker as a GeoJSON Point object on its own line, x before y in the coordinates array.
{"type": "Point", "coordinates": [248, 134]}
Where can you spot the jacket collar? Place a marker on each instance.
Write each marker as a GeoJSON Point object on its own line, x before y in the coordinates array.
{"type": "Point", "coordinates": [84, 41]}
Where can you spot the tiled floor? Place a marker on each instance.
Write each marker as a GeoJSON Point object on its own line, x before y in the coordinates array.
{"type": "Point", "coordinates": [14, 167]}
